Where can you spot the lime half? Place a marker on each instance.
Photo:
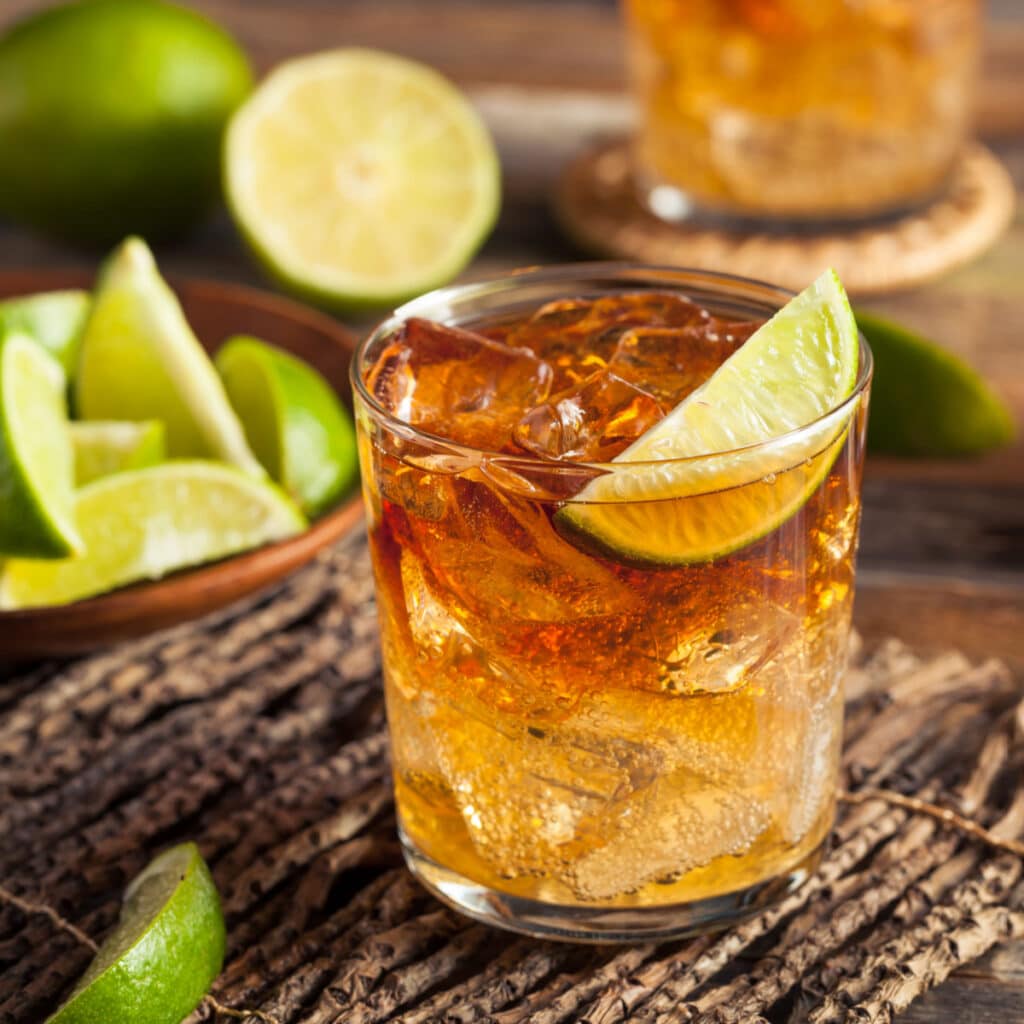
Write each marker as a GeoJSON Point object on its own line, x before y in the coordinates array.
{"type": "Point", "coordinates": [361, 178]}
{"type": "Point", "coordinates": [789, 374]}
{"type": "Point", "coordinates": [54, 319]}
{"type": "Point", "coordinates": [146, 523]}
{"type": "Point", "coordinates": [102, 447]}
{"type": "Point", "coordinates": [293, 420]}
{"type": "Point", "coordinates": [36, 469]}
{"type": "Point", "coordinates": [164, 953]}
{"type": "Point", "coordinates": [139, 360]}
{"type": "Point", "coordinates": [927, 402]}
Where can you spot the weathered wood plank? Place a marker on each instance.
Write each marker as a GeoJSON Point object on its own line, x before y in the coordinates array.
{"type": "Point", "coordinates": [969, 1000]}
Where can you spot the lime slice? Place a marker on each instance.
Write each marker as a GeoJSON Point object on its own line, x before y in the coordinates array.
{"type": "Point", "coordinates": [103, 447]}
{"type": "Point", "coordinates": [146, 523]}
{"type": "Point", "coordinates": [293, 420]}
{"type": "Point", "coordinates": [54, 319]}
{"type": "Point", "coordinates": [789, 374]}
{"type": "Point", "coordinates": [360, 178]}
{"type": "Point", "coordinates": [925, 401]}
{"type": "Point", "coordinates": [36, 468]}
{"type": "Point", "coordinates": [163, 955]}
{"type": "Point", "coordinates": [139, 360]}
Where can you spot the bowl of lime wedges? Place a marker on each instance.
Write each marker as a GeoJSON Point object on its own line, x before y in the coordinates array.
{"type": "Point", "coordinates": [164, 451]}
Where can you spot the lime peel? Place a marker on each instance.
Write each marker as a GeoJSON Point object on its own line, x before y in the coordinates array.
{"type": "Point", "coordinates": [163, 955]}
{"type": "Point", "coordinates": [927, 402]}
{"type": "Point", "coordinates": [53, 319]}
{"type": "Point", "coordinates": [36, 468]}
{"type": "Point", "coordinates": [293, 420]}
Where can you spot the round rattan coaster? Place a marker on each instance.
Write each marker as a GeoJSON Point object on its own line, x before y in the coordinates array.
{"type": "Point", "coordinates": [597, 205]}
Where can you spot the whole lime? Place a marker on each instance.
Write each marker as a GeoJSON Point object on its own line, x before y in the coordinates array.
{"type": "Point", "coordinates": [111, 117]}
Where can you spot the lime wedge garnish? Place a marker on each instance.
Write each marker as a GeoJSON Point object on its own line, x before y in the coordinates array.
{"type": "Point", "coordinates": [925, 401]}
{"type": "Point", "coordinates": [139, 360]}
{"type": "Point", "coordinates": [54, 319]}
{"type": "Point", "coordinates": [163, 955]}
{"type": "Point", "coordinates": [103, 447]}
{"type": "Point", "coordinates": [146, 523]}
{"type": "Point", "coordinates": [36, 468]}
{"type": "Point", "coordinates": [789, 374]}
{"type": "Point", "coordinates": [361, 178]}
{"type": "Point", "coordinates": [293, 420]}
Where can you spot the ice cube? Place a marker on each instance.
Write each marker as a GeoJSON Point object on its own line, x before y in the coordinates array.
{"type": "Point", "coordinates": [807, 774]}
{"type": "Point", "coordinates": [578, 336]}
{"type": "Point", "coordinates": [721, 738]}
{"type": "Point", "coordinates": [671, 362]}
{"type": "Point", "coordinates": [534, 794]}
{"type": "Point", "coordinates": [683, 823]}
{"type": "Point", "coordinates": [457, 383]}
{"type": "Point", "coordinates": [593, 421]}
{"type": "Point", "coordinates": [509, 566]}
{"type": "Point", "coordinates": [720, 658]}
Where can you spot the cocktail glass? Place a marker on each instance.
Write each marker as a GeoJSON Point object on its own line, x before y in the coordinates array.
{"type": "Point", "coordinates": [587, 745]}
{"type": "Point", "coordinates": [799, 109]}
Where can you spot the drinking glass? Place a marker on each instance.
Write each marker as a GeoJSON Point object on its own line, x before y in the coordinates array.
{"type": "Point", "coordinates": [799, 109]}
{"type": "Point", "coordinates": [585, 745]}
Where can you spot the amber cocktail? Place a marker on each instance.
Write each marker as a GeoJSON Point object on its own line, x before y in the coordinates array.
{"type": "Point", "coordinates": [588, 742]}
{"type": "Point", "coordinates": [799, 108]}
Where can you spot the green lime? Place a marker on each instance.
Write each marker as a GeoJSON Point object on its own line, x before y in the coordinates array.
{"type": "Point", "coordinates": [36, 466]}
{"type": "Point", "coordinates": [146, 523]}
{"type": "Point", "coordinates": [112, 117]}
{"type": "Point", "coordinates": [103, 447]}
{"type": "Point", "coordinates": [925, 401]}
{"type": "Point", "coordinates": [790, 374]}
{"type": "Point", "coordinates": [139, 360]}
{"type": "Point", "coordinates": [293, 420]}
{"type": "Point", "coordinates": [54, 319]}
{"type": "Point", "coordinates": [163, 955]}
{"type": "Point", "coordinates": [361, 178]}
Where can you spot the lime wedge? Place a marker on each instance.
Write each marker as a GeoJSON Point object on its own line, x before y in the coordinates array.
{"type": "Point", "coordinates": [293, 420]}
{"type": "Point", "coordinates": [54, 319]}
{"type": "Point", "coordinates": [360, 178]}
{"type": "Point", "coordinates": [795, 369]}
{"type": "Point", "coordinates": [103, 447]}
{"type": "Point", "coordinates": [139, 360]}
{"type": "Point", "coordinates": [146, 523]}
{"type": "Point", "coordinates": [36, 468]}
{"type": "Point", "coordinates": [163, 955]}
{"type": "Point", "coordinates": [925, 401]}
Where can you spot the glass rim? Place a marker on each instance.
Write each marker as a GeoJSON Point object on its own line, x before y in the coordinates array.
{"type": "Point", "coordinates": [629, 272]}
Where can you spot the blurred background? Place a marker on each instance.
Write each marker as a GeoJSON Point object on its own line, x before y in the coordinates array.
{"type": "Point", "coordinates": [549, 77]}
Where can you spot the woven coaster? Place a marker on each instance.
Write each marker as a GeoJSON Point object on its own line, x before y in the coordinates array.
{"type": "Point", "coordinates": [597, 205]}
{"type": "Point", "coordinates": [259, 732]}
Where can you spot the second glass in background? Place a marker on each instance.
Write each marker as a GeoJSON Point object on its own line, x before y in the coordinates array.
{"type": "Point", "coordinates": [799, 109]}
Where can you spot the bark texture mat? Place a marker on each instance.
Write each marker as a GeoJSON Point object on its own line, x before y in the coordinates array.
{"type": "Point", "coordinates": [260, 734]}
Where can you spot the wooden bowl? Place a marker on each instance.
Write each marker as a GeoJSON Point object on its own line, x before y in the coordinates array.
{"type": "Point", "coordinates": [215, 310]}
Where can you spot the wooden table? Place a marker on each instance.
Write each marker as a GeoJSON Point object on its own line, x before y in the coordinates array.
{"type": "Point", "coordinates": [943, 543]}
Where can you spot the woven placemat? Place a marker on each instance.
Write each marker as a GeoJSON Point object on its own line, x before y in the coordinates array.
{"type": "Point", "coordinates": [597, 205]}
{"type": "Point", "coordinates": [260, 733]}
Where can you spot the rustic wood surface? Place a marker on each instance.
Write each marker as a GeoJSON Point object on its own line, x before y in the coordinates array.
{"type": "Point", "coordinates": [943, 542]}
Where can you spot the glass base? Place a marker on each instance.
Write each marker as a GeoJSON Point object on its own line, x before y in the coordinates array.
{"type": "Point", "coordinates": [674, 206]}
{"type": "Point", "coordinates": [595, 924]}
